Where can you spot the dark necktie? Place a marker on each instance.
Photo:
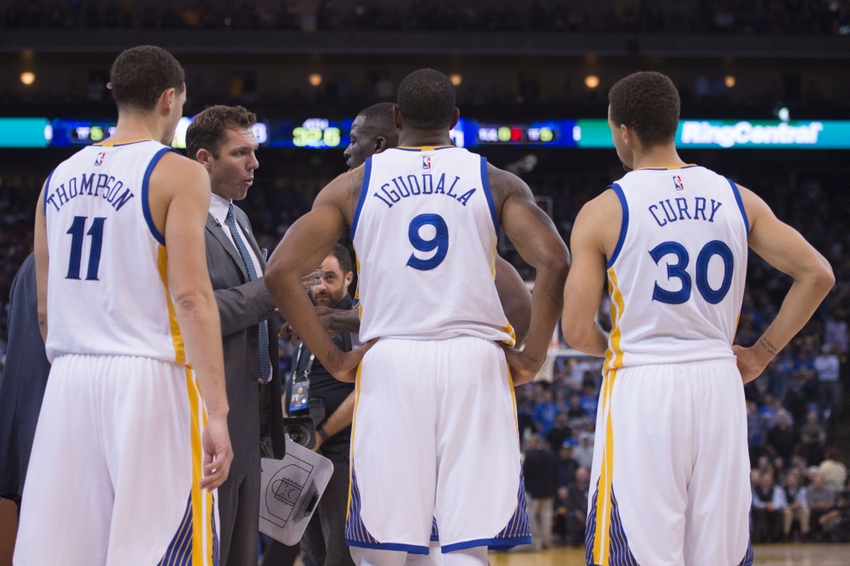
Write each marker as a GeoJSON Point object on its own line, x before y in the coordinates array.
{"type": "Point", "coordinates": [265, 363]}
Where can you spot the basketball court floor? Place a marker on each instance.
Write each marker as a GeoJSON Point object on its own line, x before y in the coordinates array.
{"type": "Point", "coordinates": [770, 555]}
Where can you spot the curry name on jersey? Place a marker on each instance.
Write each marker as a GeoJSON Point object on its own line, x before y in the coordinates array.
{"type": "Point", "coordinates": [676, 278]}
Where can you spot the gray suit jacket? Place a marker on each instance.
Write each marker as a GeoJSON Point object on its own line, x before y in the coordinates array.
{"type": "Point", "coordinates": [23, 383]}
{"type": "Point", "coordinates": [242, 305]}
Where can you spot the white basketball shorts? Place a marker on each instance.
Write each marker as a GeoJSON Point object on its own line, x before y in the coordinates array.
{"type": "Point", "coordinates": [115, 468]}
{"type": "Point", "coordinates": [435, 437]}
{"type": "Point", "coordinates": [670, 481]}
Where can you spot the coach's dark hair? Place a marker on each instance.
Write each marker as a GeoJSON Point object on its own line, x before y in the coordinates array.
{"type": "Point", "coordinates": [378, 118]}
{"type": "Point", "coordinates": [140, 75]}
{"type": "Point", "coordinates": [648, 103]}
{"type": "Point", "coordinates": [426, 100]}
{"type": "Point", "coordinates": [343, 256]}
{"type": "Point", "coordinates": [207, 129]}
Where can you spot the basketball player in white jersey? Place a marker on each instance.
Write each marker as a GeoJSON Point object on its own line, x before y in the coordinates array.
{"type": "Point", "coordinates": [434, 432]}
{"type": "Point", "coordinates": [132, 437]}
{"type": "Point", "coordinates": [670, 479]}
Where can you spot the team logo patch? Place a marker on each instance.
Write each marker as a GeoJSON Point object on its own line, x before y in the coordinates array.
{"type": "Point", "coordinates": [677, 182]}
{"type": "Point", "coordinates": [99, 160]}
{"type": "Point", "coordinates": [426, 162]}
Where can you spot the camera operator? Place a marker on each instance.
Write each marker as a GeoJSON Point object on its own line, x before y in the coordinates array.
{"type": "Point", "coordinates": [324, 540]}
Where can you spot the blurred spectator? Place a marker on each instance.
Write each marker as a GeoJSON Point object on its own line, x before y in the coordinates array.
{"type": "Point", "coordinates": [832, 470]}
{"type": "Point", "coordinates": [768, 504]}
{"type": "Point", "coordinates": [798, 506]}
{"type": "Point", "coordinates": [589, 400]}
{"type": "Point", "coordinates": [829, 385]}
{"type": "Point", "coordinates": [583, 453]}
{"type": "Point", "coordinates": [821, 500]}
{"type": "Point", "coordinates": [782, 440]}
{"type": "Point", "coordinates": [540, 469]}
{"type": "Point", "coordinates": [813, 439]}
{"type": "Point", "coordinates": [836, 522]}
{"type": "Point", "coordinates": [545, 413]}
{"type": "Point", "coordinates": [560, 520]}
{"type": "Point", "coordinates": [567, 466]}
{"type": "Point", "coordinates": [835, 331]}
{"type": "Point", "coordinates": [576, 411]}
{"type": "Point", "coordinates": [560, 432]}
{"type": "Point", "coordinates": [577, 506]}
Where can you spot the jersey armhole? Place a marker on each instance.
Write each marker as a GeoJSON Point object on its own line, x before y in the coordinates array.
{"type": "Point", "coordinates": [624, 224]}
{"type": "Point", "coordinates": [364, 188]}
{"type": "Point", "coordinates": [47, 191]}
{"type": "Point", "coordinates": [485, 181]}
{"type": "Point", "coordinates": [146, 207]}
{"type": "Point", "coordinates": [740, 202]}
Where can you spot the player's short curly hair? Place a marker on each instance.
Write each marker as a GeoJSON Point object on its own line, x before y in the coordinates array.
{"type": "Point", "coordinates": [648, 103]}
{"type": "Point", "coordinates": [207, 129]}
{"type": "Point", "coordinates": [140, 75]}
{"type": "Point", "coordinates": [426, 100]}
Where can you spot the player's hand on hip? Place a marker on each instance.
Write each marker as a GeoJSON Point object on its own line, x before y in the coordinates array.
{"type": "Point", "coordinates": [524, 367]}
{"type": "Point", "coordinates": [217, 453]}
{"type": "Point", "coordinates": [748, 363]}
{"type": "Point", "coordinates": [344, 365]}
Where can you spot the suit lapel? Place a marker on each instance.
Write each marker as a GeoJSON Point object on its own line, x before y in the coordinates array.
{"type": "Point", "coordinates": [218, 234]}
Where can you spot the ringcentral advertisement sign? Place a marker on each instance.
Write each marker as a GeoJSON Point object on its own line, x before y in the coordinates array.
{"type": "Point", "coordinates": [735, 134]}
{"type": "Point", "coordinates": [325, 133]}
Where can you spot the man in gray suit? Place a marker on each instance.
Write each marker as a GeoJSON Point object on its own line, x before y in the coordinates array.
{"type": "Point", "coordinates": [221, 139]}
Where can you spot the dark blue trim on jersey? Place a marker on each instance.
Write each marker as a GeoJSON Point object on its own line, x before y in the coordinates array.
{"type": "Point", "coordinates": [740, 204]}
{"type": "Point", "coordinates": [146, 207]}
{"type": "Point", "coordinates": [430, 148]}
{"type": "Point", "coordinates": [47, 190]}
{"type": "Point", "coordinates": [409, 548]}
{"type": "Point", "coordinates": [624, 225]}
{"type": "Point", "coordinates": [491, 543]}
{"type": "Point", "coordinates": [485, 179]}
{"type": "Point", "coordinates": [364, 188]}
{"type": "Point", "coordinates": [120, 144]}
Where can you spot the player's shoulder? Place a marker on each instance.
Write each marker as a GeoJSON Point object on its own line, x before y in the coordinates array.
{"type": "Point", "coordinates": [176, 169]}
{"type": "Point", "coordinates": [504, 184]}
{"type": "Point", "coordinates": [345, 187]}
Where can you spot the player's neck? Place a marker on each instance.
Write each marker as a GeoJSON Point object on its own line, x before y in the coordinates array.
{"type": "Point", "coordinates": [135, 127]}
{"type": "Point", "coordinates": [426, 138]}
{"type": "Point", "coordinates": [658, 157]}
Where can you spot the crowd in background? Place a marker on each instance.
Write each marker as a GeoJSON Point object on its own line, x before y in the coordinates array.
{"type": "Point", "coordinates": [808, 17]}
{"type": "Point", "coordinates": [794, 410]}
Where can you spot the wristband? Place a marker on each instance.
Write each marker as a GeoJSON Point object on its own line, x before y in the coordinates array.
{"type": "Point", "coordinates": [322, 433]}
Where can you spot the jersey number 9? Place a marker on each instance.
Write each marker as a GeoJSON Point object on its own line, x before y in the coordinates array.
{"type": "Point", "coordinates": [439, 242]}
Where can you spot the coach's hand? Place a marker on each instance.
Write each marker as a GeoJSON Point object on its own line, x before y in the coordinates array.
{"type": "Point", "coordinates": [524, 366]}
{"type": "Point", "coordinates": [749, 363]}
{"type": "Point", "coordinates": [343, 365]}
{"type": "Point", "coordinates": [217, 453]}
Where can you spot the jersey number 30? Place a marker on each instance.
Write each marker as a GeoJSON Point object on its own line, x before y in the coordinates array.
{"type": "Point", "coordinates": [440, 241]}
{"type": "Point", "coordinates": [677, 270]}
{"type": "Point", "coordinates": [78, 231]}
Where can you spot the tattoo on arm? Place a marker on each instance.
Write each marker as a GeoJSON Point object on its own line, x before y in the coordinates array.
{"type": "Point", "coordinates": [766, 344]}
{"type": "Point", "coordinates": [355, 185]}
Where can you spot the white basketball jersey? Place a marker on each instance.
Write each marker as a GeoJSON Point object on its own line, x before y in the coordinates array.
{"type": "Point", "coordinates": [107, 289]}
{"type": "Point", "coordinates": [676, 278]}
{"type": "Point", "coordinates": [425, 233]}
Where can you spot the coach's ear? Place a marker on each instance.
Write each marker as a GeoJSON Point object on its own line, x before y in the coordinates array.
{"type": "Point", "coordinates": [204, 157]}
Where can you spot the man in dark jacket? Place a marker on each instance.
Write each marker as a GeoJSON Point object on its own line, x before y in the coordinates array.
{"type": "Point", "coordinates": [540, 469]}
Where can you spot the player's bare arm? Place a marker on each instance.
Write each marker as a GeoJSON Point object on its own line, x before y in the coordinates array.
{"type": "Point", "coordinates": [41, 264]}
{"type": "Point", "coordinates": [593, 239]}
{"type": "Point", "coordinates": [306, 244]}
{"type": "Point", "coordinates": [513, 294]}
{"type": "Point", "coordinates": [515, 299]}
{"type": "Point", "coordinates": [538, 242]}
{"type": "Point", "coordinates": [786, 250]}
{"type": "Point", "coordinates": [179, 201]}
{"type": "Point", "coordinates": [338, 420]}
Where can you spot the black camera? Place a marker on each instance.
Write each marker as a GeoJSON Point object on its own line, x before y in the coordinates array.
{"type": "Point", "coordinates": [300, 427]}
